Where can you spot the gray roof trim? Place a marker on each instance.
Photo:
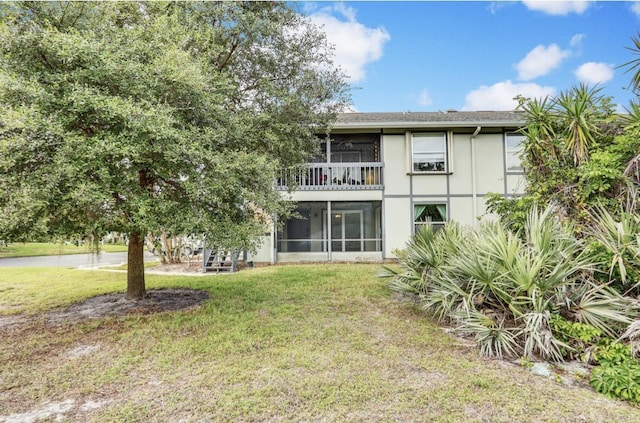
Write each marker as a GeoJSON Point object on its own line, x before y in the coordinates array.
{"type": "Point", "coordinates": [429, 120]}
{"type": "Point", "coordinates": [408, 125]}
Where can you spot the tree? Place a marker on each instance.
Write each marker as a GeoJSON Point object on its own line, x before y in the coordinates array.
{"type": "Point", "coordinates": [575, 154]}
{"type": "Point", "coordinates": [139, 117]}
{"type": "Point", "coordinates": [633, 65]}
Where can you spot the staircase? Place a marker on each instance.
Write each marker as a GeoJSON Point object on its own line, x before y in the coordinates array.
{"type": "Point", "coordinates": [220, 261]}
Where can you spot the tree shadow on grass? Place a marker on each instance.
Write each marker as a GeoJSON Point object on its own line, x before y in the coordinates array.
{"type": "Point", "coordinates": [115, 305]}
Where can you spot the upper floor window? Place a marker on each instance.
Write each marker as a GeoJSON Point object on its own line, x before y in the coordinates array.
{"type": "Point", "coordinates": [429, 152]}
{"type": "Point", "coordinates": [514, 147]}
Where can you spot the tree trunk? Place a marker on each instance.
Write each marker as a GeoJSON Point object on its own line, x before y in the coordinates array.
{"type": "Point", "coordinates": [135, 267]}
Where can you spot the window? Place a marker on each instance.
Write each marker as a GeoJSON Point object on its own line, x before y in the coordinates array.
{"type": "Point", "coordinates": [429, 151]}
{"type": "Point", "coordinates": [513, 150]}
{"type": "Point", "coordinates": [434, 215]}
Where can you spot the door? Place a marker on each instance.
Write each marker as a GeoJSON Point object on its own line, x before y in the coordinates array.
{"type": "Point", "coordinates": [347, 231]}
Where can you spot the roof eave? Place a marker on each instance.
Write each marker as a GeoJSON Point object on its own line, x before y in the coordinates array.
{"type": "Point", "coordinates": [441, 124]}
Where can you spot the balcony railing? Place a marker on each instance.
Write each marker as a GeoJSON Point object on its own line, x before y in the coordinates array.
{"type": "Point", "coordinates": [332, 176]}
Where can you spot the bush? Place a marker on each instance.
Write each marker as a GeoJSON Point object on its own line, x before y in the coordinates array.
{"type": "Point", "coordinates": [617, 247]}
{"type": "Point", "coordinates": [580, 337]}
{"type": "Point", "coordinates": [503, 288]}
{"type": "Point", "coordinates": [618, 373]}
{"type": "Point", "coordinates": [617, 381]}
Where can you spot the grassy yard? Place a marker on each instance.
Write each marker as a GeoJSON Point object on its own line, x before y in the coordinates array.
{"type": "Point", "coordinates": [30, 249]}
{"type": "Point", "coordinates": [287, 343]}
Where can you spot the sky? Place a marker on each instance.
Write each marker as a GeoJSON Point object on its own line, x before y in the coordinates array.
{"type": "Point", "coordinates": [477, 55]}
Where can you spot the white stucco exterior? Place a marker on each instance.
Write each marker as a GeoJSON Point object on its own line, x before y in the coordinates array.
{"type": "Point", "coordinates": [476, 165]}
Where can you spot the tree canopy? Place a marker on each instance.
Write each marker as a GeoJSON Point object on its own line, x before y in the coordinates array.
{"type": "Point", "coordinates": [149, 116]}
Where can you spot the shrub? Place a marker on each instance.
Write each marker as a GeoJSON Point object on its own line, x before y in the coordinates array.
{"type": "Point", "coordinates": [502, 288]}
{"type": "Point", "coordinates": [618, 373]}
{"type": "Point", "coordinates": [617, 381]}
{"type": "Point", "coordinates": [617, 247]}
{"type": "Point", "coordinates": [580, 337]}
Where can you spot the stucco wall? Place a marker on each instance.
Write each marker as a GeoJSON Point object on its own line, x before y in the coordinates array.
{"type": "Point", "coordinates": [394, 156]}
{"type": "Point", "coordinates": [403, 189]}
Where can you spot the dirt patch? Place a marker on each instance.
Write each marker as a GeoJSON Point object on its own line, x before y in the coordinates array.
{"type": "Point", "coordinates": [116, 304]}
{"type": "Point", "coordinates": [81, 351]}
{"type": "Point", "coordinates": [10, 321]}
{"type": "Point", "coordinates": [156, 301]}
{"type": "Point", "coordinates": [192, 269]}
{"type": "Point", "coordinates": [53, 411]}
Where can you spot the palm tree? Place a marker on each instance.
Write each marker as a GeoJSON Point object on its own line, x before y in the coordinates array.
{"type": "Point", "coordinates": [634, 64]}
{"type": "Point", "coordinates": [632, 171]}
{"type": "Point", "coordinates": [539, 130]}
{"type": "Point", "coordinates": [579, 108]}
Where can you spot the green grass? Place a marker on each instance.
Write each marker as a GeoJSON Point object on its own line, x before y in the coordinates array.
{"type": "Point", "coordinates": [30, 249]}
{"type": "Point", "coordinates": [284, 343]}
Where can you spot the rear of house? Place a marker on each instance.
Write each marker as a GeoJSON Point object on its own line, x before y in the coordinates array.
{"type": "Point", "coordinates": [380, 176]}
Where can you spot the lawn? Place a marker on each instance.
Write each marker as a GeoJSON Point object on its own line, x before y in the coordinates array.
{"type": "Point", "coordinates": [30, 249]}
{"type": "Point", "coordinates": [285, 343]}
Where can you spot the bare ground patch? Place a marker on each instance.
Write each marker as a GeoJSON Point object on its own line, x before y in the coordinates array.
{"type": "Point", "coordinates": [102, 306]}
{"type": "Point", "coordinates": [54, 411]}
{"type": "Point", "coordinates": [115, 304]}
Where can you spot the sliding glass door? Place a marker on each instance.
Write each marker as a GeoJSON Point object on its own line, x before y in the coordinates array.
{"type": "Point", "coordinates": [349, 227]}
{"type": "Point", "coordinates": [347, 230]}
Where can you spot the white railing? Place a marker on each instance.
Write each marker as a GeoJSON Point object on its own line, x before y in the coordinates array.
{"type": "Point", "coordinates": [332, 176]}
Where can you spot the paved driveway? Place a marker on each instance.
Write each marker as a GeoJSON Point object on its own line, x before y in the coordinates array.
{"type": "Point", "coordinates": [72, 260]}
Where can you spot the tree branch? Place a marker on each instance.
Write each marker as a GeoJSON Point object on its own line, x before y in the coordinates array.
{"type": "Point", "coordinates": [64, 13]}
{"type": "Point", "coordinates": [234, 45]}
{"type": "Point", "coordinates": [82, 6]}
{"type": "Point", "coordinates": [44, 59]}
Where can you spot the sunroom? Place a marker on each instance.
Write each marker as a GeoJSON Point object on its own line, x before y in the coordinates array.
{"type": "Point", "coordinates": [332, 230]}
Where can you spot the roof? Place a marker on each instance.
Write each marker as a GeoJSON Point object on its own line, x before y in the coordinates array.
{"type": "Point", "coordinates": [429, 119]}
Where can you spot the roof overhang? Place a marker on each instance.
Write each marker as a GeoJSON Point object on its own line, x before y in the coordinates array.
{"type": "Point", "coordinates": [429, 120]}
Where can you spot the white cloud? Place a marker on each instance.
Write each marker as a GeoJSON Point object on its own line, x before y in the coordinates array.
{"type": "Point", "coordinates": [540, 61]}
{"type": "Point", "coordinates": [501, 96]}
{"type": "Point", "coordinates": [559, 8]}
{"type": "Point", "coordinates": [576, 40]}
{"type": "Point", "coordinates": [355, 44]}
{"type": "Point", "coordinates": [635, 8]}
{"type": "Point", "coordinates": [424, 99]}
{"type": "Point", "coordinates": [495, 6]}
{"type": "Point", "coordinates": [594, 73]}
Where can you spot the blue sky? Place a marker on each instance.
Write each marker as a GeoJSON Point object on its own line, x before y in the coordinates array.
{"type": "Point", "coordinates": [476, 55]}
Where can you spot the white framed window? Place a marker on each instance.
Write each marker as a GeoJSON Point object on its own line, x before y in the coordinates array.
{"type": "Point", "coordinates": [434, 215]}
{"type": "Point", "coordinates": [429, 152]}
{"type": "Point", "coordinates": [514, 147]}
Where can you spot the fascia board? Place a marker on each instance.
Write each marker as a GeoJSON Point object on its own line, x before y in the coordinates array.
{"type": "Point", "coordinates": [441, 124]}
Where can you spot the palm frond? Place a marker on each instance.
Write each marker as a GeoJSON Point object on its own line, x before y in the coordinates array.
{"type": "Point", "coordinates": [576, 108]}
{"type": "Point", "coordinates": [619, 239]}
{"type": "Point", "coordinates": [634, 64]}
{"type": "Point", "coordinates": [494, 338]}
{"type": "Point", "coordinates": [539, 340]}
{"type": "Point", "coordinates": [602, 308]}
{"type": "Point", "coordinates": [631, 119]}
{"type": "Point", "coordinates": [632, 334]}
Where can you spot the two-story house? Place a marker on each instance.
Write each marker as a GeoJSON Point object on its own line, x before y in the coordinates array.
{"type": "Point", "coordinates": [380, 176]}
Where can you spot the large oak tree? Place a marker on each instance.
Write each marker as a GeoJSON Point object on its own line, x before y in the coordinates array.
{"type": "Point", "coordinates": [147, 116]}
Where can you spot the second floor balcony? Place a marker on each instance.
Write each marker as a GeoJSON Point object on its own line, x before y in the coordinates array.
{"type": "Point", "coordinates": [332, 176]}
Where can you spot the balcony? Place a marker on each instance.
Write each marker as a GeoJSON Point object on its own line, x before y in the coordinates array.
{"type": "Point", "coordinates": [332, 176]}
